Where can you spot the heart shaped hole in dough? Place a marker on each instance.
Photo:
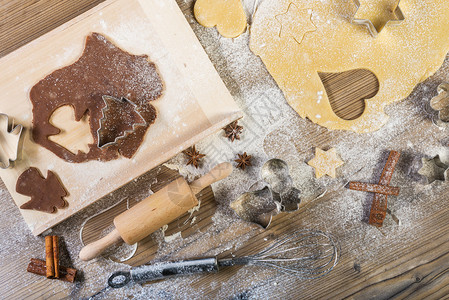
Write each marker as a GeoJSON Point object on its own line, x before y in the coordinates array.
{"type": "Point", "coordinates": [347, 91]}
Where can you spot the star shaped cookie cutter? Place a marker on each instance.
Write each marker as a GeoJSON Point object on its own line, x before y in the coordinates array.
{"type": "Point", "coordinates": [107, 98]}
{"type": "Point", "coordinates": [400, 17]}
{"type": "Point", "coordinates": [9, 153]}
{"type": "Point", "coordinates": [434, 169]}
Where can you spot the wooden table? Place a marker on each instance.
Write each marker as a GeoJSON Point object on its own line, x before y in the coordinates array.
{"type": "Point", "coordinates": [415, 266]}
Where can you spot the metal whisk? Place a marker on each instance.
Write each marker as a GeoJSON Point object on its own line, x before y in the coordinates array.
{"type": "Point", "coordinates": [306, 254]}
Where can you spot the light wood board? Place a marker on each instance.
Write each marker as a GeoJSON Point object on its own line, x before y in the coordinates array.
{"type": "Point", "coordinates": [194, 105]}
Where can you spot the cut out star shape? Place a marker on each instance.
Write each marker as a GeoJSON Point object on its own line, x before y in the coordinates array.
{"type": "Point", "coordinates": [295, 23]}
{"type": "Point", "coordinates": [375, 15]}
{"type": "Point", "coordinates": [325, 162]}
{"type": "Point", "coordinates": [434, 169]}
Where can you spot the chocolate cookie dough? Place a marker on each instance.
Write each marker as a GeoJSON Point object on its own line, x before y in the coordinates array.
{"type": "Point", "coordinates": [46, 194]}
{"type": "Point", "coordinates": [102, 70]}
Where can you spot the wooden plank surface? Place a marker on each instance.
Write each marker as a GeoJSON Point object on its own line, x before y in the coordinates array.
{"type": "Point", "coordinates": [413, 268]}
{"type": "Point", "coordinates": [189, 109]}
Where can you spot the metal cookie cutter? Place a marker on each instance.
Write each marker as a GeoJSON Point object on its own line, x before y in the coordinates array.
{"type": "Point", "coordinates": [434, 169]}
{"type": "Point", "coordinates": [9, 149]}
{"type": "Point", "coordinates": [108, 100]}
{"type": "Point", "coordinates": [440, 102]}
{"type": "Point", "coordinates": [279, 196]}
{"type": "Point", "coordinates": [275, 172]}
{"type": "Point", "coordinates": [399, 15]}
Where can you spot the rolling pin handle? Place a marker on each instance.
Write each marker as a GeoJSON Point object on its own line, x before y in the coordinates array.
{"type": "Point", "coordinates": [219, 172]}
{"type": "Point", "coordinates": [94, 249]}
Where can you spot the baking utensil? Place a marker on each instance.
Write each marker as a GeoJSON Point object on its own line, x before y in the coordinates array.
{"type": "Point", "coordinates": [306, 254]}
{"type": "Point", "coordinates": [399, 15]}
{"type": "Point", "coordinates": [440, 102]}
{"type": "Point", "coordinates": [113, 101]}
{"type": "Point", "coordinates": [155, 211]}
{"type": "Point", "coordinates": [276, 173]}
{"type": "Point", "coordinates": [10, 141]}
{"type": "Point", "coordinates": [256, 207]}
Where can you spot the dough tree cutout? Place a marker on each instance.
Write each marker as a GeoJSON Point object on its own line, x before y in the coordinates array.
{"type": "Point", "coordinates": [295, 23]}
{"type": "Point", "coordinates": [74, 135]}
{"type": "Point", "coordinates": [228, 15]}
{"type": "Point", "coordinates": [325, 162]}
{"type": "Point", "coordinates": [400, 57]}
{"type": "Point", "coordinates": [47, 194]}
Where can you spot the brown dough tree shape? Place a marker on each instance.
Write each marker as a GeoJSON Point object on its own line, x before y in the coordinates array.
{"type": "Point", "coordinates": [103, 69]}
{"type": "Point", "coordinates": [46, 194]}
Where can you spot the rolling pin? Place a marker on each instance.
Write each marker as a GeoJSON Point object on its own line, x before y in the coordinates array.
{"type": "Point", "coordinates": [150, 214]}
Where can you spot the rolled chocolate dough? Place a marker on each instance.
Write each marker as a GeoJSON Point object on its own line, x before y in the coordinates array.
{"type": "Point", "coordinates": [103, 69]}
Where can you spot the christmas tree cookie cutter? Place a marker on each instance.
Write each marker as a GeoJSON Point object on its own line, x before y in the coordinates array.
{"type": "Point", "coordinates": [399, 15]}
{"type": "Point", "coordinates": [10, 141]}
{"type": "Point", "coordinates": [107, 101]}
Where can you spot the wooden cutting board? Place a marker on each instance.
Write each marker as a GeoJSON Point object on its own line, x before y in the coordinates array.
{"type": "Point", "coordinates": [195, 103]}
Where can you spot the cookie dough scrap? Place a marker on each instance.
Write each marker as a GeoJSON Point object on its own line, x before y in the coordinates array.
{"type": "Point", "coordinates": [228, 15]}
{"type": "Point", "coordinates": [400, 57]}
{"type": "Point", "coordinates": [47, 194]}
{"type": "Point", "coordinates": [325, 162]}
{"type": "Point", "coordinates": [102, 70]}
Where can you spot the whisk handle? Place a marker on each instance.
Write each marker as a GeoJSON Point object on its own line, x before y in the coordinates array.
{"type": "Point", "coordinates": [163, 270]}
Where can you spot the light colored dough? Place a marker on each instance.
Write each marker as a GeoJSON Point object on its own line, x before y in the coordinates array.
{"type": "Point", "coordinates": [401, 56]}
{"type": "Point", "coordinates": [325, 162]}
{"type": "Point", "coordinates": [228, 15]}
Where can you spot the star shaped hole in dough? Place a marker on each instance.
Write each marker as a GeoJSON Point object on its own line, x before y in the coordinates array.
{"type": "Point", "coordinates": [376, 14]}
{"type": "Point", "coordinates": [295, 23]}
{"type": "Point", "coordinates": [325, 162]}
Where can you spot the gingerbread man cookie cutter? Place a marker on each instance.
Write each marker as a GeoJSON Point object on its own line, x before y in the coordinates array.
{"type": "Point", "coordinates": [10, 141]}
{"type": "Point", "coordinates": [107, 99]}
{"type": "Point", "coordinates": [399, 15]}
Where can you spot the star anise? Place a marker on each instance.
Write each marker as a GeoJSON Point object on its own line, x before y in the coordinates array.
{"type": "Point", "coordinates": [194, 156]}
{"type": "Point", "coordinates": [233, 131]}
{"type": "Point", "coordinates": [243, 161]}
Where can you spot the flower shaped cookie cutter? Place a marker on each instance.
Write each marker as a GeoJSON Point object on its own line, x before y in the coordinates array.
{"type": "Point", "coordinates": [10, 141]}
{"type": "Point", "coordinates": [440, 103]}
{"type": "Point", "coordinates": [399, 18]}
{"type": "Point", "coordinates": [278, 196]}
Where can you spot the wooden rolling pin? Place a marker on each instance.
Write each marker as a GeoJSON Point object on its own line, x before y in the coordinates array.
{"type": "Point", "coordinates": [152, 213]}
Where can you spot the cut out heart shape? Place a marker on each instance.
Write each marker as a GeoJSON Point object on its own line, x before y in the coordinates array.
{"type": "Point", "coordinates": [73, 136]}
{"type": "Point", "coordinates": [228, 15]}
{"type": "Point", "coordinates": [347, 91]}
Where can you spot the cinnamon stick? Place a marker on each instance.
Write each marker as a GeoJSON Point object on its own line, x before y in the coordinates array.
{"type": "Point", "coordinates": [49, 257]}
{"type": "Point", "coordinates": [374, 188]}
{"type": "Point", "coordinates": [56, 255]}
{"type": "Point", "coordinates": [379, 205]}
{"type": "Point", "coordinates": [37, 266]}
